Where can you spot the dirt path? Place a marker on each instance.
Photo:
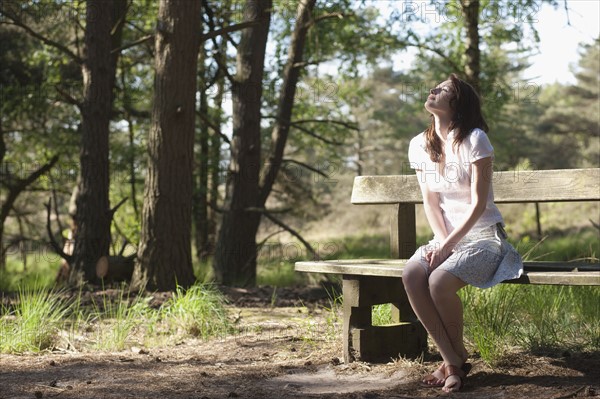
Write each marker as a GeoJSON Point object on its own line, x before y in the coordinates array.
{"type": "Point", "coordinates": [279, 355]}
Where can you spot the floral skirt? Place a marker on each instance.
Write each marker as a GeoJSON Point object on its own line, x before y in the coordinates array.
{"type": "Point", "coordinates": [482, 259]}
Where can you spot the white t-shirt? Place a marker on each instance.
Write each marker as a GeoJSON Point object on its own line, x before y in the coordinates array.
{"type": "Point", "coordinates": [454, 186]}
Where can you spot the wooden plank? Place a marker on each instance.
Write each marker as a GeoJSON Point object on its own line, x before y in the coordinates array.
{"type": "Point", "coordinates": [561, 266]}
{"type": "Point", "coordinates": [358, 267]}
{"type": "Point", "coordinates": [403, 231]}
{"type": "Point", "coordinates": [508, 186]}
{"type": "Point", "coordinates": [386, 190]}
{"type": "Point", "coordinates": [587, 274]}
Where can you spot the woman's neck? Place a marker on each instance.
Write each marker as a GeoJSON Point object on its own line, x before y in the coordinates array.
{"type": "Point", "coordinates": [441, 124]}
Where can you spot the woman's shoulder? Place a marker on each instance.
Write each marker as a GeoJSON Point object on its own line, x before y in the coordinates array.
{"type": "Point", "coordinates": [478, 145]}
{"type": "Point", "coordinates": [476, 137]}
{"type": "Point", "coordinates": [419, 139]}
{"type": "Point", "coordinates": [477, 133]}
{"type": "Point", "coordinates": [417, 149]}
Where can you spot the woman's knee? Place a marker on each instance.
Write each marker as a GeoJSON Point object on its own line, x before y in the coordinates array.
{"type": "Point", "coordinates": [413, 276]}
{"type": "Point", "coordinates": [443, 284]}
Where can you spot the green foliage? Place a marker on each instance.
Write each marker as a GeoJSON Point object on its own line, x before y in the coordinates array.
{"type": "Point", "coordinates": [557, 318]}
{"type": "Point", "coordinates": [41, 272]}
{"type": "Point", "coordinates": [198, 311]}
{"type": "Point", "coordinates": [116, 318]}
{"type": "Point", "coordinates": [278, 274]}
{"type": "Point", "coordinates": [488, 318]}
{"type": "Point", "coordinates": [583, 246]}
{"type": "Point", "coordinates": [381, 315]}
{"type": "Point", "coordinates": [365, 246]}
{"type": "Point", "coordinates": [42, 319]}
{"type": "Point", "coordinates": [32, 325]}
{"type": "Point", "coordinates": [567, 128]}
{"type": "Point", "coordinates": [334, 313]}
{"type": "Point", "coordinates": [333, 321]}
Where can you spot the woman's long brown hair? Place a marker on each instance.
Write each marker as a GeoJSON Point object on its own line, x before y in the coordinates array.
{"type": "Point", "coordinates": [466, 107]}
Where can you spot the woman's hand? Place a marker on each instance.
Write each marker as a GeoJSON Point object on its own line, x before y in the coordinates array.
{"type": "Point", "coordinates": [437, 257]}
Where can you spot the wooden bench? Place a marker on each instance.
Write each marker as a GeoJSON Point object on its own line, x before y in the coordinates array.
{"type": "Point", "coordinates": [368, 282]}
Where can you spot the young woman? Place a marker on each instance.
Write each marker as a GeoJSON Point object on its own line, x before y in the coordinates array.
{"type": "Point", "coordinates": [453, 162]}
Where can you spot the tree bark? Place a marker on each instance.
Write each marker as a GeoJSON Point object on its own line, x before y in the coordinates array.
{"type": "Point", "coordinates": [200, 205]}
{"type": "Point", "coordinates": [286, 98]}
{"type": "Point", "coordinates": [235, 253]}
{"type": "Point", "coordinates": [236, 248]}
{"type": "Point", "coordinates": [215, 151]}
{"type": "Point", "coordinates": [164, 255]}
{"type": "Point", "coordinates": [104, 23]}
{"type": "Point", "coordinates": [470, 11]}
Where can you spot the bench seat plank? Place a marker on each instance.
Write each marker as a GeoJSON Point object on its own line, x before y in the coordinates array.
{"type": "Point", "coordinates": [544, 273]}
{"type": "Point", "coordinates": [558, 278]}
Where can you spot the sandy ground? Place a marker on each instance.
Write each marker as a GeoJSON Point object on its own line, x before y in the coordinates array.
{"type": "Point", "coordinates": [280, 354]}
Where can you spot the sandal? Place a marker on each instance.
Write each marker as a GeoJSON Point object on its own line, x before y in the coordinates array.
{"type": "Point", "coordinates": [452, 370]}
{"type": "Point", "coordinates": [429, 378]}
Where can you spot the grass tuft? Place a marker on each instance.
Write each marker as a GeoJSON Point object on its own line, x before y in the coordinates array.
{"type": "Point", "coordinates": [199, 311]}
{"type": "Point", "coordinates": [116, 319]}
{"type": "Point", "coordinates": [33, 324]}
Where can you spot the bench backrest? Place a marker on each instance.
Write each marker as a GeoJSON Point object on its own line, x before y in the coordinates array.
{"type": "Point", "coordinates": [509, 187]}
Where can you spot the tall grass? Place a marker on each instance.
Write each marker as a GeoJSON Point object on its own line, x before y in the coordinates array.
{"type": "Point", "coordinates": [311, 330]}
{"type": "Point", "coordinates": [198, 311]}
{"type": "Point", "coordinates": [488, 319]}
{"type": "Point", "coordinates": [560, 318]}
{"type": "Point", "coordinates": [34, 322]}
{"type": "Point", "coordinates": [42, 319]}
{"type": "Point", "coordinates": [115, 319]}
{"type": "Point", "coordinates": [381, 315]}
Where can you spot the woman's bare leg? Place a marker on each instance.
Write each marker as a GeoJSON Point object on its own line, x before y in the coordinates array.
{"type": "Point", "coordinates": [416, 283]}
{"type": "Point", "coordinates": [443, 287]}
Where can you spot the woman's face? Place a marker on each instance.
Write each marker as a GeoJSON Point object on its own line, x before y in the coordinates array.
{"type": "Point", "coordinates": [438, 101]}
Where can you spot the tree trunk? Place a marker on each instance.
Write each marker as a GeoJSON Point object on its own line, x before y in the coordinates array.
{"type": "Point", "coordinates": [201, 183]}
{"type": "Point", "coordinates": [3, 249]}
{"type": "Point", "coordinates": [235, 254]}
{"type": "Point", "coordinates": [215, 152]}
{"type": "Point", "coordinates": [164, 254]}
{"type": "Point", "coordinates": [470, 11]}
{"type": "Point", "coordinates": [104, 23]}
{"type": "Point", "coordinates": [291, 75]}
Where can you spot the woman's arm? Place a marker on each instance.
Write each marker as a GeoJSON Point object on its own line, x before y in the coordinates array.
{"type": "Point", "coordinates": [480, 187]}
{"type": "Point", "coordinates": [431, 204]}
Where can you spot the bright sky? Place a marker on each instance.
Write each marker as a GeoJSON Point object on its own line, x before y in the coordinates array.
{"type": "Point", "coordinates": [559, 42]}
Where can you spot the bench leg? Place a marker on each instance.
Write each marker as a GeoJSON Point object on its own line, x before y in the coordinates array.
{"type": "Point", "coordinates": [363, 341]}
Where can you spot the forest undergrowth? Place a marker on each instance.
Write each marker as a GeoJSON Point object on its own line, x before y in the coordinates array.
{"type": "Point", "coordinates": [36, 316]}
